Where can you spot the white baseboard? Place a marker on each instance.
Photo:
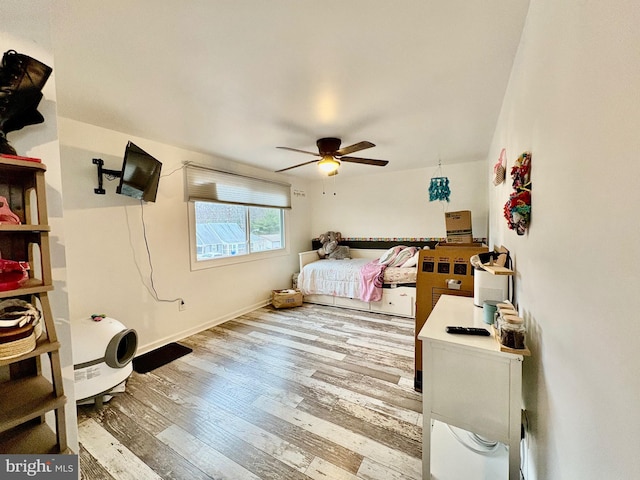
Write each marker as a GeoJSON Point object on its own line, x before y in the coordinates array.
{"type": "Point", "coordinates": [208, 324]}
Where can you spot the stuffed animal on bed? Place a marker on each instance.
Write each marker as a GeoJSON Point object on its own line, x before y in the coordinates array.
{"type": "Point", "coordinates": [330, 247]}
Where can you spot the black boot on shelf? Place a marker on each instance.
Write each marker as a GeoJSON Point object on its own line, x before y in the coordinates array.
{"type": "Point", "coordinates": [21, 81]}
{"type": "Point", "coordinates": [5, 148]}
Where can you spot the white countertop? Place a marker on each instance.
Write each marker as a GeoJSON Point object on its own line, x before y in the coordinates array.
{"type": "Point", "coordinates": [460, 311]}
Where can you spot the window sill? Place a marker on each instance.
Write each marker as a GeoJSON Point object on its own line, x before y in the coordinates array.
{"type": "Point", "coordinates": [225, 261]}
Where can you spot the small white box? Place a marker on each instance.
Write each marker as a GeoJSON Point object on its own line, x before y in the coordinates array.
{"type": "Point", "coordinates": [487, 286]}
{"type": "Point", "coordinates": [453, 284]}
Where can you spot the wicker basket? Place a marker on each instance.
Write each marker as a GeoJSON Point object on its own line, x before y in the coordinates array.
{"type": "Point", "coordinates": [17, 341]}
{"type": "Point", "coordinates": [22, 327]}
{"type": "Point", "coordinates": [286, 298]}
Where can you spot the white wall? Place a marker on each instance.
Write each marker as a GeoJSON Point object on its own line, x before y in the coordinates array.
{"type": "Point", "coordinates": [25, 28]}
{"type": "Point", "coordinates": [396, 204]}
{"type": "Point", "coordinates": [573, 101]}
{"type": "Point", "coordinates": [108, 268]}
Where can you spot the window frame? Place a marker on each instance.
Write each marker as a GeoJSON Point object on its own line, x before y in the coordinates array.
{"type": "Point", "coordinates": [233, 260]}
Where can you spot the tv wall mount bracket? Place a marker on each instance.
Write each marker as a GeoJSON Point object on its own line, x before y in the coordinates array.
{"type": "Point", "coordinates": [103, 171]}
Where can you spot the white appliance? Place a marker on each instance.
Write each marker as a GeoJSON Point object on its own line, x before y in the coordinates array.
{"type": "Point", "coordinates": [487, 286]}
{"type": "Point", "coordinates": [102, 355]}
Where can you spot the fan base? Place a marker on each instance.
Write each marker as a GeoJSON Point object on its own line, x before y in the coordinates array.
{"type": "Point", "coordinates": [328, 146]}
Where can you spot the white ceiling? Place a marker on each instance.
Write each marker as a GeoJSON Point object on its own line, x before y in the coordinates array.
{"type": "Point", "coordinates": [422, 79]}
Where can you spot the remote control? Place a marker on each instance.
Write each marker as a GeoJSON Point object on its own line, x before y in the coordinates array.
{"type": "Point", "coordinates": [468, 331]}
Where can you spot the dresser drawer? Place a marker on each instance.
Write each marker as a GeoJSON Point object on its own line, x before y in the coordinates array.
{"type": "Point", "coordinates": [322, 299]}
{"type": "Point", "coordinates": [351, 303]}
{"type": "Point", "coordinates": [395, 301]}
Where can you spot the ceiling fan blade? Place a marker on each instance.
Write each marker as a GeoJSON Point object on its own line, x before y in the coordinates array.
{"type": "Point", "coordinates": [315, 154]}
{"type": "Point", "coordinates": [296, 166]}
{"type": "Point", "coordinates": [356, 147]}
{"type": "Point", "coordinates": [367, 161]}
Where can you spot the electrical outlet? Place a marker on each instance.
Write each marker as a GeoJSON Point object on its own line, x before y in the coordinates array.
{"type": "Point", "coordinates": [181, 305]}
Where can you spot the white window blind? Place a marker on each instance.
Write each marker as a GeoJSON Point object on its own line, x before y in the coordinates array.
{"type": "Point", "coordinates": [205, 184]}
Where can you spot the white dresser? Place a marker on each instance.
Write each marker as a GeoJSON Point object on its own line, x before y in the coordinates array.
{"type": "Point", "coordinates": [468, 382]}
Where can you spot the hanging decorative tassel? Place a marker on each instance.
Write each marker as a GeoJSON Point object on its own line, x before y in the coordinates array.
{"type": "Point", "coordinates": [499, 169]}
{"type": "Point", "coordinates": [439, 187]}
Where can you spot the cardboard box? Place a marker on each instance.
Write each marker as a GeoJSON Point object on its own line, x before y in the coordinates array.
{"type": "Point", "coordinates": [286, 298]}
{"type": "Point", "coordinates": [445, 270]}
{"type": "Point", "coordinates": [458, 226]}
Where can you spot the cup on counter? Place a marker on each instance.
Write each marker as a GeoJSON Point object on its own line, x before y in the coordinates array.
{"type": "Point", "coordinates": [489, 309]}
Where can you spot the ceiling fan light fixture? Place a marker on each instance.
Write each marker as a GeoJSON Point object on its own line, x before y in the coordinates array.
{"type": "Point", "coordinates": [329, 149]}
{"type": "Point", "coordinates": [328, 164]}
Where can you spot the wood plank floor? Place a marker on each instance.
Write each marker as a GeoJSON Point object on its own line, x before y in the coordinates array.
{"type": "Point", "coordinates": [311, 392]}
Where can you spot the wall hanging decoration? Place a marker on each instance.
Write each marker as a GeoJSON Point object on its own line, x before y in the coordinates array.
{"type": "Point", "coordinates": [499, 169]}
{"type": "Point", "coordinates": [439, 186]}
{"type": "Point", "coordinates": [517, 210]}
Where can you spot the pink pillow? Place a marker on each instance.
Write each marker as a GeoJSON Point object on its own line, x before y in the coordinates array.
{"type": "Point", "coordinates": [413, 261]}
{"type": "Point", "coordinates": [388, 256]}
{"type": "Point", "coordinates": [402, 256]}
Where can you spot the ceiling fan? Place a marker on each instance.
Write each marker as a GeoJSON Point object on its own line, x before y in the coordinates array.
{"type": "Point", "coordinates": [331, 155]}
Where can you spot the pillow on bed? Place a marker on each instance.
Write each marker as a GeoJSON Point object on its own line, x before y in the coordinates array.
{"type": "Point", "coordinates": [388, 256]}
{"type": "Point", "coordinates": [402, 257]}
{"type": "Point", "coordinates": [412, 262]}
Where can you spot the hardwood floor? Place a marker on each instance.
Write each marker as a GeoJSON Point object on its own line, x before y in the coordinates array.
{"type": "Point", "coordinates": [309, 392]}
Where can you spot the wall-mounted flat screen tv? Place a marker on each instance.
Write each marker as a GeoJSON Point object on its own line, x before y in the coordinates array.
{"type": "Point", "coordinates": [140, 174]}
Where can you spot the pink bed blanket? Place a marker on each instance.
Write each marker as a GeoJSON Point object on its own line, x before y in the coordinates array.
{"type": "Point", "coordinates": [371, 280]}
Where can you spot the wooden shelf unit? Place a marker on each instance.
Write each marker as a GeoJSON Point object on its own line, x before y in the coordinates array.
{"type": "Point", "coordinates": [25, 394]}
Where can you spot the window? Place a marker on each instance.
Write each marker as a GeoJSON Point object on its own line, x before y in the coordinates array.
{"type": "Point", "coordinates": [234, 216]}
{"type": "Point", "coordinates": [226, 230]}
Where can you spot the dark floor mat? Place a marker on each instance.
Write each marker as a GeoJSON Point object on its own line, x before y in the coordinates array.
{"type": "Point", "coordinates": [158, 357]}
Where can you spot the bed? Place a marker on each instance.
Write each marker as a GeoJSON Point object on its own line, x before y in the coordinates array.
{"type": "Point", "coordinates": [341, 282]}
